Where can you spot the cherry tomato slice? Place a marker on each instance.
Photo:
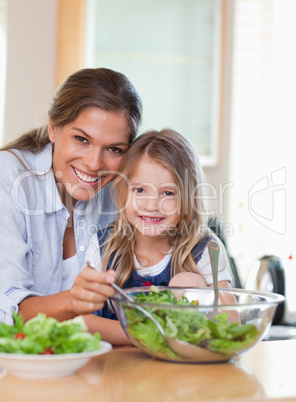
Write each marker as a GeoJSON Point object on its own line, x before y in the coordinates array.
{"type": "Point", "coordinates": [19, 335]}
{"type": "Point", "coordinates": [48, 351]}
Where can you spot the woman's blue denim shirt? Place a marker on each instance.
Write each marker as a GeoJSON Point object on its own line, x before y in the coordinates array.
{"type": "Point", "coordinates": [32, 226]}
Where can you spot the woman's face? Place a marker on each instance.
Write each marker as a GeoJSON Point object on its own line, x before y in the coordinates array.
{"type": "Point", "coordinates": [88, 152]}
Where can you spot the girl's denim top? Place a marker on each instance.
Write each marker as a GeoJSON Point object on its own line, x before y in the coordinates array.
{"type": "Point", "coordinates": [136, 280]}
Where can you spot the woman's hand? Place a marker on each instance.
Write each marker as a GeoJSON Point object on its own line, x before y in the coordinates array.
{"type": "Point", "coordinates": [91, 289]}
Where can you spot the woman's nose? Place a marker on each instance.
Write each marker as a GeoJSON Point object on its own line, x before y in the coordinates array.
{"type": "Point", "coordinates": [94, 160]}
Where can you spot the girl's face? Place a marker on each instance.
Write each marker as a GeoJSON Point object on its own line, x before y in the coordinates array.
{"type": "Point", "coordinates": [152, 199]}
{"type": "Point", "coordinates": [88, 152]}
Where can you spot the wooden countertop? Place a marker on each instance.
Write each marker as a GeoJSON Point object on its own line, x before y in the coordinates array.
{"type": "Point", "coordinates": [267, 372]}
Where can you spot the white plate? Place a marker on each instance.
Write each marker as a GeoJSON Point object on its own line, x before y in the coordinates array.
{"type": "Point", "coordinates": [46, 366]}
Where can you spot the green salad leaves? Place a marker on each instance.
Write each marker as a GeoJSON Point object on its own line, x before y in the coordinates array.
{"type": "Point", "coordinates": [190, 325]}
{"type": "Point", "coordinates": [42, 335]}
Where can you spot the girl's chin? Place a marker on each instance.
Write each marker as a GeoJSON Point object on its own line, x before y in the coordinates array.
{"type": "Point", "coordinates": [153, 233]}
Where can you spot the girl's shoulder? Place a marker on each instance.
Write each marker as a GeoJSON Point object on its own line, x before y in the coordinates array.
{"type": "Point", "coordinates": [199, 248]}
{"type": "Point", "coordinates": [203, 242]}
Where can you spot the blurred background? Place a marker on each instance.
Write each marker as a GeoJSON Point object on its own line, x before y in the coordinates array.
{"type": "Point", "coordinates": [221, 72]}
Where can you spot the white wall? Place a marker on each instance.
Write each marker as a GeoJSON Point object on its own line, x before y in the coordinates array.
{"type": "Point", "coordinates": [30, 70]}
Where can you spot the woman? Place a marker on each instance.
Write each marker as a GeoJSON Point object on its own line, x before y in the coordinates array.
{"type": "Point", "coordinates": [55, 194]}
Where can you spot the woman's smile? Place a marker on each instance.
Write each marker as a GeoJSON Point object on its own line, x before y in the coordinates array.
{"type": "Point", "coordinates": [84, 177]}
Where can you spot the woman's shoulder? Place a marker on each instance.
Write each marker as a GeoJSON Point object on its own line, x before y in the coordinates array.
{"type": "Point", "coordinates": [103, 234]}
{"type": "Point", "coordinates": [17, 161]}
{"type": "Point", "coordinates": [11, 160]}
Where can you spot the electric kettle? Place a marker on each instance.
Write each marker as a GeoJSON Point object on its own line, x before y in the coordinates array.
{"type": "Point", "coordinates": [268, 274]}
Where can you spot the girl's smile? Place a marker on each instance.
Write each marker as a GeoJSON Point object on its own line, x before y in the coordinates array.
{"type": "Point", "coordinates": [151, 219]}
{"type": "Point", "coordinates": [87, 152]}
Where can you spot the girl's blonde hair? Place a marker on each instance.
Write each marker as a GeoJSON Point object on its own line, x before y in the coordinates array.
{"type": "Point", "coordinates": [177, 154]}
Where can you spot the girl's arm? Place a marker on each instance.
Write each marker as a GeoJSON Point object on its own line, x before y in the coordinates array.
{"type": "Point", "coordinates": [110, 330]}
{"type": "Point", "coordinates": [222, 284]}
{"type": "Point", "coordinates": [225, 298]}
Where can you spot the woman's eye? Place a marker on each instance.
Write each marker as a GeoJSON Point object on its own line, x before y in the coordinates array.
{"type": "Point", "coordinates": [116, 150]}
{"type": "Point", "coordinates": [81, 139]}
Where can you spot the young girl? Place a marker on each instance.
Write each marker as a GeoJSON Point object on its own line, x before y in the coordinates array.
{"type": "Point", "coordinates": [160, 234]}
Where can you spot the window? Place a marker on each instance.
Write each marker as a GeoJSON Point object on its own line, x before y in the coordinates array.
{"type": "Point", "coordinates": [170, 50]}
{"type": "Point", "coordinates": [262, 167]}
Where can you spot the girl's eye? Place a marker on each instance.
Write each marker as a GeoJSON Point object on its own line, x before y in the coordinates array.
{"type": "Point", "coordinates": [138, 190]}
{"type": "Point", "coordinates": [81, 139]}
{"type": "Point", "coordinates": [169, 194]}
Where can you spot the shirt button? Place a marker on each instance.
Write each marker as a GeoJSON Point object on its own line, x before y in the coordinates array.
{"type": "Point", "coordinates": [82, 248]}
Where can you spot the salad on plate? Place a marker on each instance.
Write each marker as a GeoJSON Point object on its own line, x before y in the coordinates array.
{"type": "Point", "coordinates": [45, 335]}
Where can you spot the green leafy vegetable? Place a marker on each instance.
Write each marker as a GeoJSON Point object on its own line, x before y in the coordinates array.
{"type": "Point", "coordinates": [43, 335]}
{"type": "Point", "coordinates": [190, 325]}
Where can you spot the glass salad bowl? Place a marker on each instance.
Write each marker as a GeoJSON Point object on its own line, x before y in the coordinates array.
{"type": "Point", "coordinates": [192, 329]}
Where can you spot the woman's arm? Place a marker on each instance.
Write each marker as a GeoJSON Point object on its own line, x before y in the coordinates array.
{"type": "Point", "coordinates": [89, 292]}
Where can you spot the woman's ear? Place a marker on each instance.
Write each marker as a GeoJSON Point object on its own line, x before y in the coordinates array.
{"type": "Point", "coordinates": [52, 133]}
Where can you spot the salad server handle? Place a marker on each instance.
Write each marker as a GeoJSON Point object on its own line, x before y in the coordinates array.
{"type": "Point", "coordinates": [214, 258]}
{"type": "Point", "coordinates": [116, 287]}
{"type": "Point", "coordinates": [123, 293]}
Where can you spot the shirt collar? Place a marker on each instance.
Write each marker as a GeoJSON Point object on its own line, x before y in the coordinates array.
{"type": "Point", "coordinates": [44, 160]}
{"type": "Point", "coordinates": [44, 170]}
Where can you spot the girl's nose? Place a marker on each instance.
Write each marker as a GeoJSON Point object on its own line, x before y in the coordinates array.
{"type": "Point", "coordinates": [150, 204]}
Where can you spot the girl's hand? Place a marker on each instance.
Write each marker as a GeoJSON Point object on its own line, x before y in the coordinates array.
{"type": "Point", "coordinates": [91, 289]}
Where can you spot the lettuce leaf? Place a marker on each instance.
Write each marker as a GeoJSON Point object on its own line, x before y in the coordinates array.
{"type": "Point", "coordinates": [42, 333]}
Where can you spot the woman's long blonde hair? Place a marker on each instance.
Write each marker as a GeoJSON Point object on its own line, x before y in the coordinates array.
{"type": "Point", "coordinates": [176, 154]}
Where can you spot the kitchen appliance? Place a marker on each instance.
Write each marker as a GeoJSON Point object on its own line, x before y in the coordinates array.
{"type": "Point", "coordinates": [271, 275]}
